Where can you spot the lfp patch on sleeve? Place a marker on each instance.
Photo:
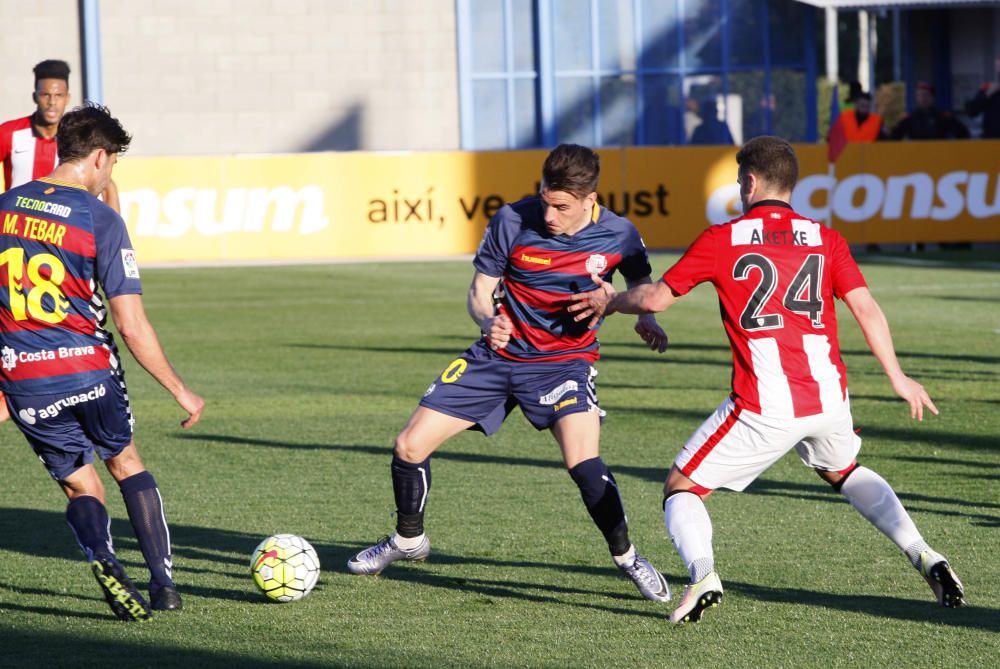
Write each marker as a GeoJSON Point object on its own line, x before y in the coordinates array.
{"type": "Point", "coordinates": [130, 264]}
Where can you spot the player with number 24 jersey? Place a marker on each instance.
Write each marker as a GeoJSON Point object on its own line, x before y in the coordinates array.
{"type": "Point", "coordinates": [786, 354]}
{"type": "Point", "coordinates": [776, 274]}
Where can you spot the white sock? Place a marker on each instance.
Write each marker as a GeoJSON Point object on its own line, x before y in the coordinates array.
{"type": "Point", "coordinates": [407, 543]}
{"type": "Point", "coordinates": [626, 558]}
{"type": "Point", "coordinates": [877, 502]}
{"type": "Point", "coordinates": [690, 528]}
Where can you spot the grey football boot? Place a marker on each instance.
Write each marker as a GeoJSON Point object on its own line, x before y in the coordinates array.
{"type": "Point", "coordinates": [371, 561]}
{"type": "Point", "coordinates": [650, 582]}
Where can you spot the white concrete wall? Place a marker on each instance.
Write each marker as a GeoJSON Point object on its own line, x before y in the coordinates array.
{"type": "Point", "coordinates": [31, 32]}
{"type": "Point", "coordinates": [255, 76]}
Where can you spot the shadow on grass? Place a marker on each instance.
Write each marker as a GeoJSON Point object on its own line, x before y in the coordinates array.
{"type": "Point", "coordinates": [946, 357]}
{"type": "Point", "coordinates": [528, 591]}
{"type": "Point", "coordinates": [334, 556]}
{"type": "Point", "coordinates": [938, 462]}
{"type": "Point", "coordinates": [606, 355]}
{"type": "Point", "coordinates": [408, 350]}
{"type": "Point", "coordinates": [962, 298]}
{"type": "Point", "coordinates": [50, 648]}
{"type": "Point", "coordinates": [821, 493]}
{"type": "Point", "coordinates": [911, 610]}
{"type": "Point", "coordinates": [654, 474]}
{"type": "Point", "coordinates": [648, 473]}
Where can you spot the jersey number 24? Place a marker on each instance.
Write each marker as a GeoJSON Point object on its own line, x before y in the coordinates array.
{"type": "Point", "coordinates": [802, 296]}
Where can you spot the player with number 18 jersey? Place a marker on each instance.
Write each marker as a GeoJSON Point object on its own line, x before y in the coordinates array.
{"type": "Point", "coordinates": [57, 240]}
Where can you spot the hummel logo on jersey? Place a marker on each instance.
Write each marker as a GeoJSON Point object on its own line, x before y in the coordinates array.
{"type": "Point", "coordinates": [538, 261]}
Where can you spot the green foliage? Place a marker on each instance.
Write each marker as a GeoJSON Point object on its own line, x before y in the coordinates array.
{"type": "Point", "coordinates": [309, 373]}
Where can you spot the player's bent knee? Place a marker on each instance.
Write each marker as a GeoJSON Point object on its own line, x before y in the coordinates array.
{"type": "Point", "coordinates": [409, 449]}
{"type": "Point", "coordinates": [836, 479]}
{"type": "Point", "coordinates": [84, 482]}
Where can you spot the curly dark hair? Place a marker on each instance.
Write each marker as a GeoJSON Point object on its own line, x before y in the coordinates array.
{"type": "Point", "coordinates": [51, 69]}
{"type": "Point", "coordinates": [88, 127]}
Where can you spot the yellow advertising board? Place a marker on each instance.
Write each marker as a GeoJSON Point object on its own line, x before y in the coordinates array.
{"type": "Point", "coordinates": [357, 205]}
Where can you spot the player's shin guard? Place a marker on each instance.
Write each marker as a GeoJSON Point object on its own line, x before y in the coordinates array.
{"type": "Point", "coordinates": [874, 499]}
{"type": "Point", "coordinates": [145, 510]}
{"type": "Point", "coordinates": [602, 499]}
{"type": "Point", "coordinates": [690, 528]}
{"type": "Point", "coordinates": [411, 482]}
{"type": "Point", "coordinates": [91, 525]}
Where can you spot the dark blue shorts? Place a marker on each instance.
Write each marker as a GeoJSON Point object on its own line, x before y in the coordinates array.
{"type": "Point", "coordinates": [66, 429]}
{"type": "Point", "coordinates": [484, 387]}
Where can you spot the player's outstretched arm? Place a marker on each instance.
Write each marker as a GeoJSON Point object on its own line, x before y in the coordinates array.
{"type": "Point", "coordinates": [646, 326]}
{"type": "Point", "coordinates": [140, 337]}
{"type": "Point", "coordinates": [496, 327]}
{"type": "Point", "coordinates": [648, 298]}
{"type": "Point", "coordinates": [875, 327]}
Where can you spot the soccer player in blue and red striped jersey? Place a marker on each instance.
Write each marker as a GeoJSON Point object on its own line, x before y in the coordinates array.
{"type": "Point", "coordinates": [535, 254]}
{"type": "Point", "coordinates": [777, 275]}
{"type": "Point", "coordinates": [61, 372]}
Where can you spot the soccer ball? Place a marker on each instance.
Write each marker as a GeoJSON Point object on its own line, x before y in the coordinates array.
{"type": "Point", "coordinates": [285, 567]}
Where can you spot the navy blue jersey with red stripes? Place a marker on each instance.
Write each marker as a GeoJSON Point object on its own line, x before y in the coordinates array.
{"type": "Point", "coordinates": [57, 243]}
{"type": "Point", "coordinates": [539, 271]}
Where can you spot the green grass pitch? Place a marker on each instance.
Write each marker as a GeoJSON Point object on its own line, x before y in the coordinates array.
{"type": "Point", "coordinates": [310, 371]}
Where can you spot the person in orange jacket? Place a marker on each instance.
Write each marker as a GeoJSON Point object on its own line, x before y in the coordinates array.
{"type": "Point", "coordinates": [860, 123]}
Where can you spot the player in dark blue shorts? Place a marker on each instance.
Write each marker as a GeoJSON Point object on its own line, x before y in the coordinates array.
{"type": "Point", "coordinates": [59, 367]}
{"type": "Point", "coordinates": [535, 254]}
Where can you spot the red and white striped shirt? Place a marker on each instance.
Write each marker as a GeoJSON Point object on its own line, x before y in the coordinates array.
{"type": "Point", "coordinates": [26, 155]}
{"type": "Point", "coordinates": [777, 274]}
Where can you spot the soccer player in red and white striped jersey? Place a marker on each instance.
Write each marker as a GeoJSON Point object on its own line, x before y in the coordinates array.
{"type": "Point", "coordinates": [777, 274]}
{"type": "Point", "coordinates": [28, 144]}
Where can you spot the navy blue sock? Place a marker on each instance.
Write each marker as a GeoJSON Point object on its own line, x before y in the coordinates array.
{"type": "Point", "coordinates": [145, 510]}
{"type": "Point", "coordinates": [89, 521]}
{"type": "Point", "coordinates": [600, 496]}
{"type": "Point", "coordinates": [410, 485]}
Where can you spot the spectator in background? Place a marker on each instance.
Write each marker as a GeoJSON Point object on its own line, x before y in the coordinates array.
{"type": "Point", "coordinates": [987, 103]}
{"type": "Point", "coordinates": [28, 144]}
{"type": "Point", "coordinates": [711, 130]}
{"type": "Point", "coordinates": [927, 121]}
{"type": "Point", "coordinates": [859, 123]}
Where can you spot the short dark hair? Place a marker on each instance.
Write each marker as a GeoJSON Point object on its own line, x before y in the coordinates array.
{"type": "Point", "coordinates": [51, 69]}
{"type": "Point", "coordinates": [88, 127]}
{"type": "Point", "coordinates": [771, 159]}
{"type": "Point", "coordinates": [572, 168]}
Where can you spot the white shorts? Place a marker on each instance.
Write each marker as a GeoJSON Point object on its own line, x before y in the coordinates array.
{"type": "Point", "coordinates": [733, 447]}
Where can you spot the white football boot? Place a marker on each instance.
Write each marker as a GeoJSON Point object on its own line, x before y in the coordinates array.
{"type": "Point", "coordinates": [942, 579]}
{"type": "Point", "coordinates": [697, 597]}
